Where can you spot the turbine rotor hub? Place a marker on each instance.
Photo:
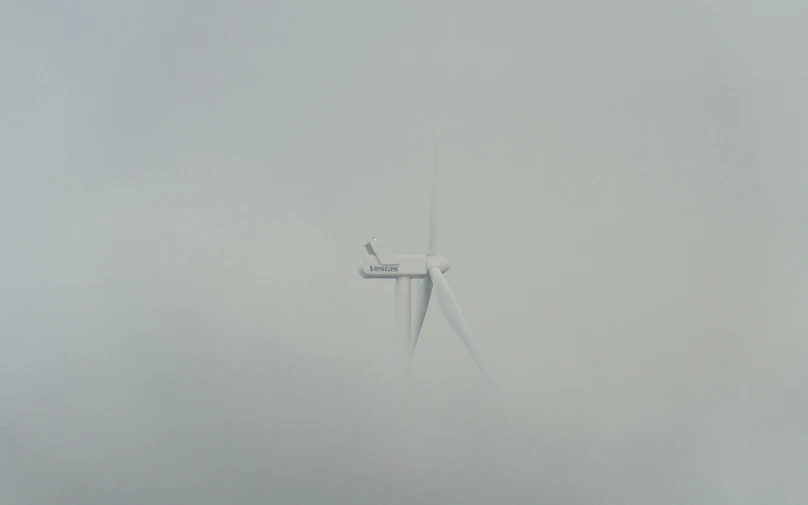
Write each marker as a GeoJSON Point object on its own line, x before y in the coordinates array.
{"type": "Point", "coordinates": [438, 262]}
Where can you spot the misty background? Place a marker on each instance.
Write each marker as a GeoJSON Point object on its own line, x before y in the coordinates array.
{"type": "Point", "coordinates": [185, 188]}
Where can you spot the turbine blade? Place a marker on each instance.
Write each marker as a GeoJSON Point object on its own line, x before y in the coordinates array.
{"type": "Point", "coordinates": [423, 291]}
{"type": "Point", "coordinates": [432, 247]}
{"type": "Point", "coordinates": [453, 314]}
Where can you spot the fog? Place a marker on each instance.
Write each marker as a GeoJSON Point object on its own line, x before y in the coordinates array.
{"type": "Point", "coordinates": [185, 188]}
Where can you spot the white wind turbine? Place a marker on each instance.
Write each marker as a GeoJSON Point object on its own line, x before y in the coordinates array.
{"type": "Point", "coordinates": [428, 270]}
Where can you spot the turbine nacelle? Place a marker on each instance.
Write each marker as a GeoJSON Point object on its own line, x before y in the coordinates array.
{"type": "Point", "coordinates": [397, 265]}
{"type": "Point", "coordinates": [382, 264]}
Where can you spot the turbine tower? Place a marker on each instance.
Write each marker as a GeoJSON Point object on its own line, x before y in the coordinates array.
{"type": "Point", "coordinates": [427, 270]}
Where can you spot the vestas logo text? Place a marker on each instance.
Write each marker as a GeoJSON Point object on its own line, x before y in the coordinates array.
{"type": "Point", "coordinates": [384, 269]}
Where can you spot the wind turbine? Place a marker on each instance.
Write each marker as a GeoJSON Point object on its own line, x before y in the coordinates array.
{"type": "Point", "coordinates": [427, 269]}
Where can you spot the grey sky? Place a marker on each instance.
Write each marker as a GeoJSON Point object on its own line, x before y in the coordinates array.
{"type": "Point", "coordinates": [185, 188]}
